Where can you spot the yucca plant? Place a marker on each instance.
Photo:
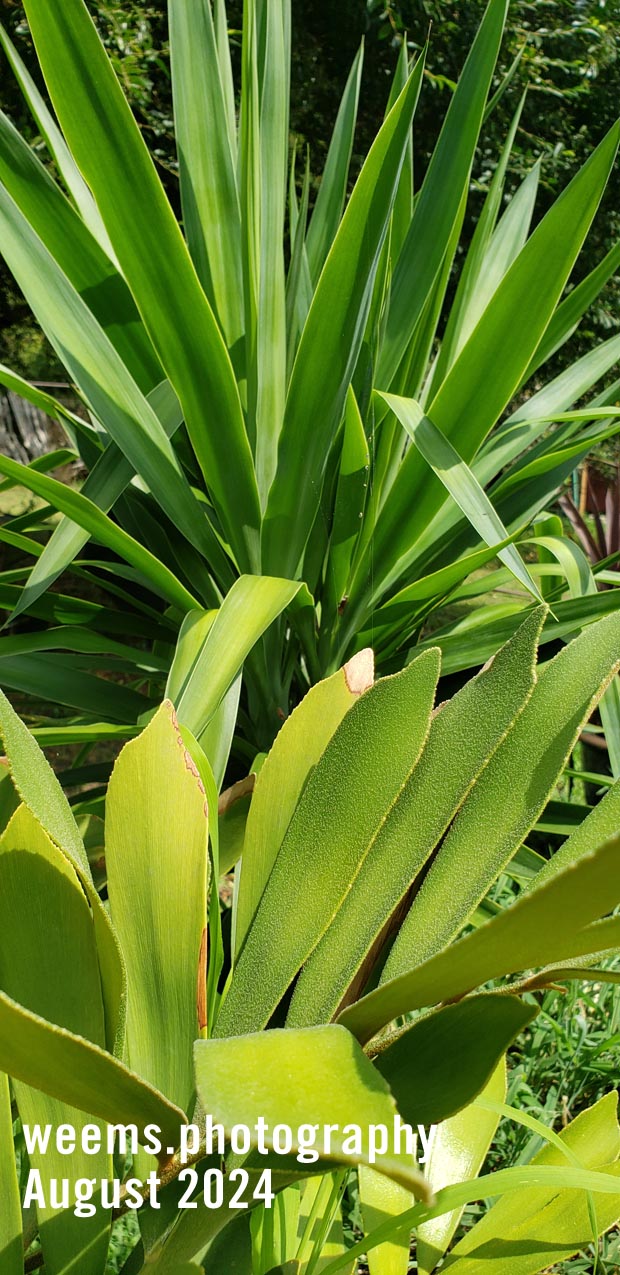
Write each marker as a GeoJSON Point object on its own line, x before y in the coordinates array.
{"type": "Point", "coordinates": [273, 391]}
{"type": "Point", "coordinates": [357, 976]}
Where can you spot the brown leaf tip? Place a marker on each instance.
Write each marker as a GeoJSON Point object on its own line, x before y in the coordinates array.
{"type": "Point", "coordinates": [359, 672]}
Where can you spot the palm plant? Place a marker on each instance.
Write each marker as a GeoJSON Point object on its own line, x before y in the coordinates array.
{"type": "Point", "coordinates": [361, 899]}
{"type": "Point", "coordinates": [272, 392]}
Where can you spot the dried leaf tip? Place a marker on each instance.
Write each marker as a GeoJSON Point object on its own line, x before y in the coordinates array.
{"type": "Point", "coordinates": [359, 671]}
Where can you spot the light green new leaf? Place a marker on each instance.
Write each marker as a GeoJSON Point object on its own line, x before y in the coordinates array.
{"type": "Point", "coordinates": [11, 1242]}
{"type": "Point", "coordinates": [41, 792]}
{"type": "Point", "coordinates": [343, 805]}
{"type": "Point", "coordinates": [418, 820]}
{"type": "Point", "coordinates": [510, 794]}
{"type": "Point", "coordinates": [441, 1063]}
{"type": "Point", "coordinates": [75, 1072]}
{"type": "Point", "coordinates": [381, 1198]}
{"type": "Point", "coordinates": [523, 1235]}
{"type": "Point", "coordinates": [157, 867]}
{"type": "Point", "coordinates": [112, 156]}
{"type": "Point", "coordinates": [298, 747]}
{"type": "Point", "coordinates": [49, 965]}
{"type": "Point", "coordinates": [459, 1148]}
{"type": "Point", "coordinates": [548, 924]}
{"type": "Point", "coordinates": [248, 609]}
{"type": "Point", "coordinates": [318, 1076]}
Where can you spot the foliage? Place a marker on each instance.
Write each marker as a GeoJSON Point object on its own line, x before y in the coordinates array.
{"type": "Point", "coordinates": [124, 1013]}
{"type": "Point", "coordinates": [283, 412]}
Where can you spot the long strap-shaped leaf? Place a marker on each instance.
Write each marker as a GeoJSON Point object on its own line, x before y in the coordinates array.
{"type": "Point", "coordinates": [111, 153]}
{"type": "Point", "coordinates": [78, 254]}
{"type": "Point", "coordinates": [358, 779]}
{"type": "Point", "coordinates": [331, 341]}
{"type": "Point", "coordinates": [439, 201]}
{"type": "Point", "coordinates": [548, 924]}
{"type": "Point", "coordinates": [501, 810]}
{"type": "Point", "coordinates": [470, 400]}
{"type": "Point", "coordinates": [11, 1244]}
{"type": "Point", "coordinates": [479, 716]}
{"type": "Point", "coordinates": [82, 511]}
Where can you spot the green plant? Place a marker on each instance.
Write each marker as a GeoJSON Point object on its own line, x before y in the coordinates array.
{"type": "Point", "coordinates": [364, 851]}
{"type": "Point", "coordinates": [318, 410]}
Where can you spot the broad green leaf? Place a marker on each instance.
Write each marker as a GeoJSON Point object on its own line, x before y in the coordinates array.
{"type": "Point", "coordinates": [574, 306]}
{"type": "Point", "coordinates": [49, 965]}
{"type": "Point", "coordinates": [82, 511]}
{"type": "Point", "coordinates": [460, 482]}
{"type": "Point", "coordinates": [333, 188]}
{"type": "Point", "coordinates": [343, 805]}
{"type": "Point", "coordinates": [459, 1148]}
{"type": "Point", "coordinates": [113, 158]}
{"type": "Point", "coordinates": [510, 794]}
{"type": "Point", "coordinates": [439, 201]}
{"type": "Point", "coordinates": [298, 747]}
{"type": "Point", "coordinates": [11, 1242]}
{"type": "Point", "coordinates": [331, 341]}
{"type": "Point", "coordinates": [331, 1082]}
{"type": "Point", "coordinates": [415, 826]}
{"type": "Point", "coordinates": [209, 195]}
{"type": "Point", "coordinates": [438, 1066]}
{"type": "Point", "coordinates": [520, 1236]}
{"type": "Point", "coordinates": [75, 1072]}
{"type": "Point", "coordinates": [547, 924]}
{"type": "Point", "coordinates": [158, 867]}
{"type": "Point", "coordinates": [41, 792]}
{"type": "Point", "coordinates": [252, 604]}
{"type": "Point", "coordinates": [381, 1198]}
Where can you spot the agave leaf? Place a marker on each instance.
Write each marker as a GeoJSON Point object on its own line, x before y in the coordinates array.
{"type": "Point", "coordinates": [439, 201]}
{"type": "Point", "coordinates": [331, 341]}
{"type": "Point", "coordinates": [333, 188]}
{"type": "Point", "coordinates": [209, 194]}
